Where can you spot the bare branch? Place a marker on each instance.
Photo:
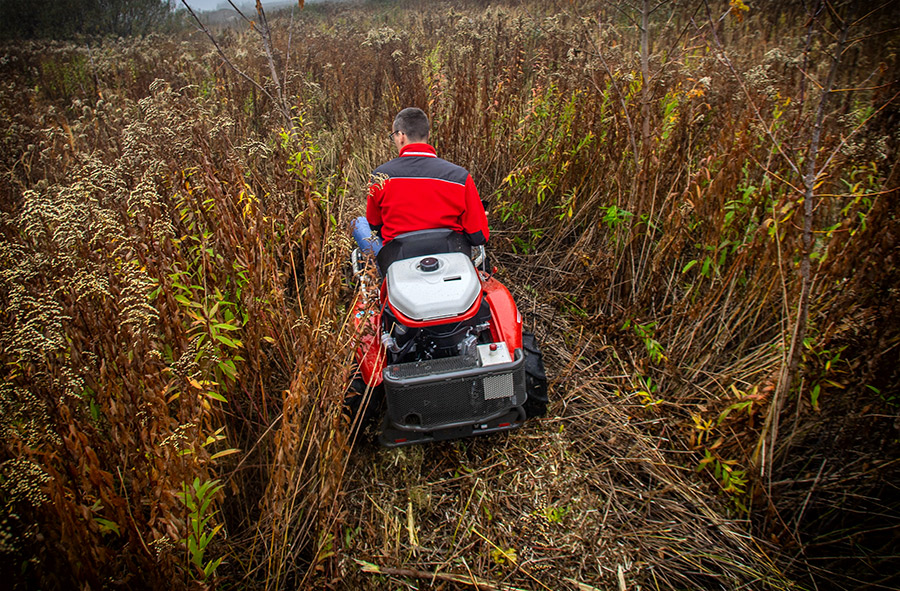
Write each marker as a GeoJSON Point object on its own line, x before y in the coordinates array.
{"type": "Point", "coordinates": [870, 13]}
{"type": "Point", "coordinates": [658, 6]}
{"type": "Point", "coordinates": [626, 14]}
{"type": "Point", "coordinates": [243, 16]}
{"type": "Point", "coordinates": [858, 88]}
{"type": "Point", "coordinates": [765, 168]}
{"type": "Point", "coordinates": [810, 77]}
{"type": "Point", "coordinates": [834, 14]}
{"type": "Point", "coordinates": [856, 40]}
{"type": "Point", "coordinates": [678, 39]}
{"type": "Point", "coordinates": [237, 70]}
{"type": "Point", "coordinates": [287, 53]}
{"type": "Point", "coordinates": [266, 35]}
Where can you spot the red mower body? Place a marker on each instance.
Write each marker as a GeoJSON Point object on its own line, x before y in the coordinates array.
{"type": "Point", "coordinates": [444, 344]}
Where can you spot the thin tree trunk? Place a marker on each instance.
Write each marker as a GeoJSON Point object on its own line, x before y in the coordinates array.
{"type": "Point", "coordinates": [266, 34]}
{"type": "Point", "coordinates": [641, 181]}
{"type": "Point", "coordinates": [645, 74]}
{"type": "Point", "coordinates": [789, 371]}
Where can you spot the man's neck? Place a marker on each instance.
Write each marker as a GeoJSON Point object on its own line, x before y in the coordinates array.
{"type": "Point", "coordinates": [418, 149]}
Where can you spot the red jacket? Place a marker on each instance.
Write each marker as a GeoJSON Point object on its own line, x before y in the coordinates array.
{"type": "Point", "coordinates": [419, 191]}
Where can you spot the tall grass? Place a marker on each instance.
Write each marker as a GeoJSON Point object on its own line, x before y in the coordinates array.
{"type": "Point", "coordinates": [170, 293]}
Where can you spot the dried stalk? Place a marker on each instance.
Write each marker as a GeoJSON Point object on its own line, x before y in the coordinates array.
{"type": "Point", "coordinates": [279, 102]}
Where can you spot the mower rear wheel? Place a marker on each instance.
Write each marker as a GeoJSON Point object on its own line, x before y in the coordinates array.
{"type": "Point", "coordinates": [535, 378]}
{"type": "Point", "coordinates": [363, 401]}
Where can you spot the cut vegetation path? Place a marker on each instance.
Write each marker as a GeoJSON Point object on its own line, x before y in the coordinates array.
{"type": "Point", "coordinates": [590, 497]}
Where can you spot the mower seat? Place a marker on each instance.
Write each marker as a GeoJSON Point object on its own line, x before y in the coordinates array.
{"type": "Point", "coordinates": [421, 243]}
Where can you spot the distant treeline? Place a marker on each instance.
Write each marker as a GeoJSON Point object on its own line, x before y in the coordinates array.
{"type": "Point", "coordinates": [62, 19]}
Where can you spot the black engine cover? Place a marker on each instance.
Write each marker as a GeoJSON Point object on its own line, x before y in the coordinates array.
{"type": "Point", "coordinates": [433, 342]}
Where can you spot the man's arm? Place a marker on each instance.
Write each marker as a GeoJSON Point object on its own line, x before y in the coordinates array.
{"type": "Point", "coordinates": [474, 219]}
{"type": "Point", "coordinates": [373, 207]}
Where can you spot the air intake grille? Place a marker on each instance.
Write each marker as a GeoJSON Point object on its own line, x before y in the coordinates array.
{"type": "Point", "coordinates": [497, 387]}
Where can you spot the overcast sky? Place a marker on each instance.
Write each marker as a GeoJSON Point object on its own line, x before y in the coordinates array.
{"type": "Point", "coordinates": [212, 4]}
{"type": "Point", "coordinates": [204, 4]}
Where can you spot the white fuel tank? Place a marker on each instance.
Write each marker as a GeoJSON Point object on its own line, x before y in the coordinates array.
{"type": "Point", "coordinates": [434, 286]}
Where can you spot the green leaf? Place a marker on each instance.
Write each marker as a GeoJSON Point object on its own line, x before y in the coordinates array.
{"type": "Point", "coordinates": [228, 342]}
{"type": "Point", "coordinates": [188, 499]}
{"type": "Point", "coordinates": [216, 396]}
{"type": "Point", "coordinates": [183, 300]}
{"type": "Point", "coordinates": [228, 368]}
{"type": "Point", "coordinates": [368, 567]}
{"type": "Point", "coordinates": [223, 453]}
{"type": "Point", "coordinates": [211, 566]}
{"type": "Point", "coordinates": [107, 526]}
{"type": "Point", "coordinates": [95, 410]}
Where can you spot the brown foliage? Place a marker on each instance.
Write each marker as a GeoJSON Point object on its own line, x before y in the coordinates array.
{"type": "Point", "coordinates": [171, 289]}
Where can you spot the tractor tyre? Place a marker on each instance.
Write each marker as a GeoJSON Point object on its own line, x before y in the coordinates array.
{"type": "Point", "coordinates": [535, 378]}
{"type": "Point", "coordinates": [363, 402]}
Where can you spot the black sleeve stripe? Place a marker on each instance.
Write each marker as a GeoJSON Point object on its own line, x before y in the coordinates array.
{"type": "Point", "coordinates": [477, 239]}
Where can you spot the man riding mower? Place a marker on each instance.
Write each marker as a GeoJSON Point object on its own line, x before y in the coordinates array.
{"type": "Point", "coordinates": [442, 339]}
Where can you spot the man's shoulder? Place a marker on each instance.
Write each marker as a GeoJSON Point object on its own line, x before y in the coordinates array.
{"type": "Point", "coordinates": [451, 166]}
{"type": "Point", "coordinates": [387, 166]}
{"type": "Point", "coordinates": [426, 167]}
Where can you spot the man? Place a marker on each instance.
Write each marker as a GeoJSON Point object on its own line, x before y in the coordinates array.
{"type": "Point", "coordinates": [419, 191]}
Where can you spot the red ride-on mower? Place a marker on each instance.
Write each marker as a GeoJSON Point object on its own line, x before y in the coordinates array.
{"type": "Point", "coordinates": [444, 345]}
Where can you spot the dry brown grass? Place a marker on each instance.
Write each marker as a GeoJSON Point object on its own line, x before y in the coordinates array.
{"type": "Point", "coordinates": [144, 181]}
{"type": "Point", "coordinates": [583, 499]}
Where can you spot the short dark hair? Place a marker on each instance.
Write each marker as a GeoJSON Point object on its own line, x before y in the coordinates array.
{"type": "Point", "coordinates": [413, 122]}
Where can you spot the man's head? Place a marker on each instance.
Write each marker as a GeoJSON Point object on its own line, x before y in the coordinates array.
{"type": "Point", "coordinates": [410, 127]}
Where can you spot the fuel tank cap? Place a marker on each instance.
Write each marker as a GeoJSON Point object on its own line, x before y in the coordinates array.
{"type": "Point", "coordinates": [429, 264]}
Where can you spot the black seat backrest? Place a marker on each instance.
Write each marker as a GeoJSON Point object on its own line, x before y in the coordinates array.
{"type": "Point", "coordinates": [421, 243]}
